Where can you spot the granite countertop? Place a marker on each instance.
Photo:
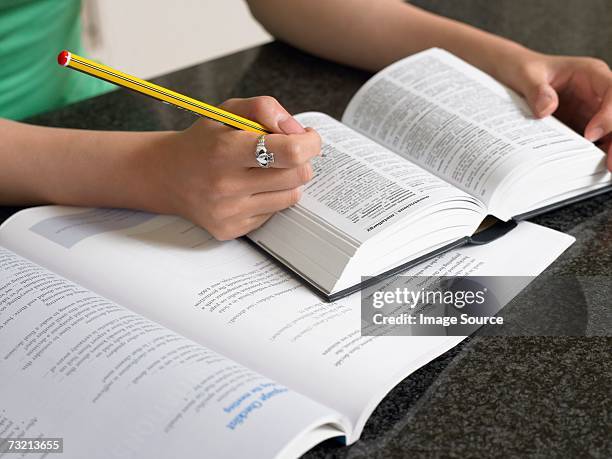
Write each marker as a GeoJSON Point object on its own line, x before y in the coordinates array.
{"type": "Point", "coordinates": [490, 396]}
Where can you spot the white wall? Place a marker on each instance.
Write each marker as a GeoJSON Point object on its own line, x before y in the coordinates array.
{"type": "Point", "coordinates": [151, 37]}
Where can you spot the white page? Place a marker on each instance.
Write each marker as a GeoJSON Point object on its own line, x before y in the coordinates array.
{"type": "Point", "coordinates": [457, 122]}
{"type": "Point", "coordinates": [361, 187]}
{"type": "Point", "coordinates": [114, 384]}
{"type": "Point", "coordinates": [235, 301]}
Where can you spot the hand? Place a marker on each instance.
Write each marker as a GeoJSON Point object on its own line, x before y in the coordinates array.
{"type": "Point", "coordinates": [209, 174]}
{"type": "Point", "coordinates": [578, 90]}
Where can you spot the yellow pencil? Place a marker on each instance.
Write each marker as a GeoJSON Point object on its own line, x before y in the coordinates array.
{"type": "Point", "coordinates": [67, 59]}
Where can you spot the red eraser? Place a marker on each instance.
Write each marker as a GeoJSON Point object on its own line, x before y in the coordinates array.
{"type": "Point", "coordinates": [63, 58]}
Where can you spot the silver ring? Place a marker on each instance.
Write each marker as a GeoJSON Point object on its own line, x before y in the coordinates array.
{"type": "Point", "coordinates": [263, 157]}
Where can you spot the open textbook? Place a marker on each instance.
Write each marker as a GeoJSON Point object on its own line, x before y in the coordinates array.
{"type": "Point", "coordinates": [135, 335]}
{"type": "Point", "coordinates": [427, 149]}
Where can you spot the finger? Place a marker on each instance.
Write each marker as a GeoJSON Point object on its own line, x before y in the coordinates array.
{"type": "Point", "coordinates": [542, 98]}
{"type": "Point", "coordinates": [254, 222]}
{"type": "Point", "coordinates": [259, 180]}
{"type": "Point", "coordinates": [293, 150]}
{"type": "Point", "coordinates": [605, 144]}
{"type": "Point", "coordinates": [600, 124]}
{"type": "Point", "coordinates": [273, 201]}
{"type": "Point", "coordinates": [545, 101]}
{"type": "Point", "coordinates": [601, 81]}
{"type": "Point", "coordinates": [250, 223]}
{"type": "Point", "coordinates": [267, 111]}
{"type": "Point", "coordinates": [289, 151]}
{"type": "Point", "coordinates": [232, 230]}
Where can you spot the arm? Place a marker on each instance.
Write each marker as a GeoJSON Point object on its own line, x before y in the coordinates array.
{"type": "Point", "coordinates": [75, 167]}
{"type": "Point", "coordinates": [372, 34]}
{"type": "Point", "coordinates": [206, 173]}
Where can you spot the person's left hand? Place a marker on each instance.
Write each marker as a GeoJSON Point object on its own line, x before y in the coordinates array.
{"type": "Point", "coordinates": [577, 90]}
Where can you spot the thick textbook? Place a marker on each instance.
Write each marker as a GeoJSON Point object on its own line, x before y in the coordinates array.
{"type": "Point", "coordinates": [134, 335]}
{"type": "Point", "coordinates": [427, 150]}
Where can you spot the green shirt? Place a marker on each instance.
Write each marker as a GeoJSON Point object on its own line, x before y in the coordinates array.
{"type": "Point", "coordinates": [32, 33]}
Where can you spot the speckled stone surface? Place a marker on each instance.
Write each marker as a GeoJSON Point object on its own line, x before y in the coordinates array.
{"type": "Point", "coordinates": [538, 396]}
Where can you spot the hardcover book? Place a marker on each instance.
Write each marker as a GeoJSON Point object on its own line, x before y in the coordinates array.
{"type": "Point", "coordinates": [431, 154]}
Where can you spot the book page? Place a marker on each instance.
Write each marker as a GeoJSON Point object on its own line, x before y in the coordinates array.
{"type": "Point", "coordinates": [455, 121]}
{"type": "Point", "coordinates": [230, 298]}
{"type": "Point", "coordinates": [364, 198]}
{"type": "Point", "coordinates": [361, 188]}
{"type": "Point", "coordinates": [112, 383]}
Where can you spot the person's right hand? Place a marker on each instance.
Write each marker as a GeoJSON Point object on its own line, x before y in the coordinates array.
{"type": "Point", "coordinates": [209, 174]}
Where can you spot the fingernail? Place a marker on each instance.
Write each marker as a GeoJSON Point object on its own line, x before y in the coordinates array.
{"type": "Point", "coordinates": [595, 134]}
{"type": "Point", "coordinates": [290, 126]}
{"type": "Point", "coordinates": [544, 101]}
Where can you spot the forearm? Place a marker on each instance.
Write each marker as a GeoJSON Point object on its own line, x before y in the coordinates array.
{"type": "Point", "coordinates": [372, 34]}
{"type": "Point", "coordinates": [75, 167]}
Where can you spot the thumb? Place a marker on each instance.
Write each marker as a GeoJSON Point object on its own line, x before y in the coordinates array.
{"type": "Point", "coordinates": [267, 111]}
{"type": "Point", "coordinates": [541, 96]}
